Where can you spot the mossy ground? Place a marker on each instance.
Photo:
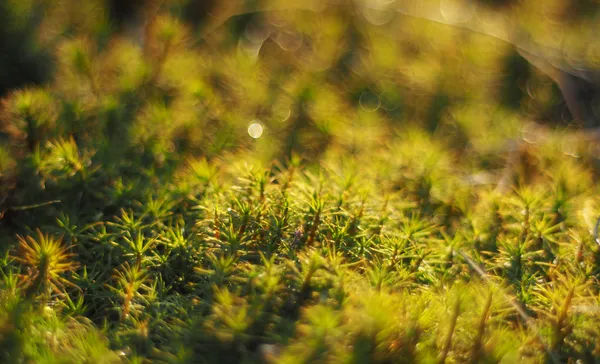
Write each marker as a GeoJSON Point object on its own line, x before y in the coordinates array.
{"type": "Point", "coordinates": [398, 206]}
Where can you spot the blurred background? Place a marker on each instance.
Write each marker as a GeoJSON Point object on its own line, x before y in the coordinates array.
{"type": "Point", "coordinates": [153, 82]}
{"type": "Point", "coordinates": [360, 56]}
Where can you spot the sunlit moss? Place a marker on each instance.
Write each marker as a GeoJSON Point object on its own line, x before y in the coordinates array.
{"type": "Point", "coordinates": [321, 184]}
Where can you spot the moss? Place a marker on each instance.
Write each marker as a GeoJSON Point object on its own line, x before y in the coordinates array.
{"type": "Point", "coordinates": [349, 231]}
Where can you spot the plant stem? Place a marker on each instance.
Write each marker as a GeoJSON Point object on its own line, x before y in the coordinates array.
{"type": "Point", "coordinates": [448, 341]}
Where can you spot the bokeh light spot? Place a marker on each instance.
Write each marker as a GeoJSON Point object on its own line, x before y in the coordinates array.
{"type": "Point", "coordinates": [255, 130]}
{"type": "Point", "coordinates": [369, 101]}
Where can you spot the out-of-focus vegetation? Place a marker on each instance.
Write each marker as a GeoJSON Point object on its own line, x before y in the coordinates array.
{"type": "Point", "coordinates": [264, 181]}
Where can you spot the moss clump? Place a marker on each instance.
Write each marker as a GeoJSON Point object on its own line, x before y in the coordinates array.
{"type": "Point", "coordinates": [393, 209]}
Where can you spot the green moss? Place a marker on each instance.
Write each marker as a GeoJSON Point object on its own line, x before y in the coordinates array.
{"type": "Point", "coordinates": [387, 213]}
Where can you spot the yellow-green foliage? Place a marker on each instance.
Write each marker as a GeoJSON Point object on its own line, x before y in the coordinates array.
{"type": "Point", "coordinates": [407, 193]}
